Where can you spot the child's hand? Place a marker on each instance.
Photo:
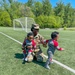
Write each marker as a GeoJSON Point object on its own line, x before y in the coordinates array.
{"type": "Point", "coordinates": [30, 47]}
{"type": "Point", "coordinates": [44, 45]}
{"type": "Point", "coordinates": [32, 50]}
{"type": "Point", "coordinates": [62, 49]}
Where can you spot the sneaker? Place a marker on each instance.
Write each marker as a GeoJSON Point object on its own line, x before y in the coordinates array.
{"type": "Point", "coordinates": [52, 62]}
{"type": "Point", "coordinates": [47, 67]}
{"type": "Point", "coordinates": [25, 59]}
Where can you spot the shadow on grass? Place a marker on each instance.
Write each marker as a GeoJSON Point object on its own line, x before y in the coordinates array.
{"type": "Point", "coordinates": [20, 56]}
{"type": "Point", "coordinates": [39, 63]}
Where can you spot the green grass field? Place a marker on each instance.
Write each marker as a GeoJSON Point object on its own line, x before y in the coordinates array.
{"type": "Point", "coordinates": [11, 54]}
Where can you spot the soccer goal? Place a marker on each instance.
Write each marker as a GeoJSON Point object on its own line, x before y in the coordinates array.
{"type": "Point", "coordinates": [23, 23]}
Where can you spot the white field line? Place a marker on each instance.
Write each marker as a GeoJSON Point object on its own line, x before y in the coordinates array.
{"type": "Point", "coordinates": [11, 38]}
{"type": "Point", "coordinates": [57, 62]}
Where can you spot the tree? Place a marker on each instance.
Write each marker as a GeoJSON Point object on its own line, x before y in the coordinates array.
{"type": "Point", "coordinates": [30, 3]}
{"type": "Point", "coordinates": [5, 19]}
{"type": "Point", "coordinates": [59, 9]}
{"type": "Point", "coordinates": [8, 6]}
{"type": "Point", "coordinates": [47, 7]}
{"type": "Point", "coordinates": [25, 11]}
{"type": "Point", "coordinates": [37, 9]}
{"type": "Point", "coordinates": [48, 21]}
{"type": "Point", "coordinates": [69, 15]}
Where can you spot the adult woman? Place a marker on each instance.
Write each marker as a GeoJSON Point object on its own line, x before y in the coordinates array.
{"type": "Point", "coordinates": [39, 40]}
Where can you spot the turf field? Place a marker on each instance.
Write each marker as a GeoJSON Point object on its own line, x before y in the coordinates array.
{"type": "Point", "coordinates": [11, 54]}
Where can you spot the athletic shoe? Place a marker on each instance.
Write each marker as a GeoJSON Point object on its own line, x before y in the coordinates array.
{"type": "Point", "coordinates": [25, 59]}
{"type": "Point", "coordinates": [52, 62]}
{"type": "Point", "coordinates": [47, 67]}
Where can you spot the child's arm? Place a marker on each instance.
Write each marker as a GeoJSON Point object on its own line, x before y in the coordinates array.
{"type": "Point", "coordinates": [60, 49]}
{"type": "Point", "coordinates": [34, 45]}
{"type": "Point", "coordinates": [45, 43]}
{"type": "Point", "coordinates": [29, 47]}
{"type": "Point", "coordinates": [57, 46]}
{"type": "Point", "coordinates": [23, 45]}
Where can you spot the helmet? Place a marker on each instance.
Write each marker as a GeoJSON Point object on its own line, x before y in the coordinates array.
{"type": "Point", "coordinates": [34, 26]}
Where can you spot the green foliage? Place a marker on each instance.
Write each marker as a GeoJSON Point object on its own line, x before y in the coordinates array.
{"type": "Point", "coordinates": [47, 7]}
{"type": "Point", "coordinates": [37, 9]}
{"type": "Point", "coordinates": [30, 3]}
{"type": "Point", "coordinates": [65, 28]}
{"type": "Point", "coordinates": [40, 20]}
{"type": "Point", "coordinates": [5, 19]}
{"type": "Point", "coordinates": [46, 16]}
{"type": "Point", "coordinates": [48, 21]}
{"type": "Point", "coordinates": [59, 9]}
{"type": "Point", "coordinates": [25, 11]}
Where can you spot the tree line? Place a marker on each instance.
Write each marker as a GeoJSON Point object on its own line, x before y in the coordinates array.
{"type": "Point", "coordinates": [42, 11]}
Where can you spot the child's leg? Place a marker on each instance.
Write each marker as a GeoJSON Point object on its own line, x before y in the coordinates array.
{"type": "Point", "coordinates": [24, 54]}
{"type": "Point", "coordinates": [50, 55]}
{"type": "Point", "coordinates": [29, 53]}
{"type": "Point", "coordinates": [49, 60]}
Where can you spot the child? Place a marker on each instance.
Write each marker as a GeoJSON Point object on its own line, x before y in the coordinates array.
{"type": "Point", "coordinates": [52, 45]}
{"type": "Point", "coordinates": [28, 46]}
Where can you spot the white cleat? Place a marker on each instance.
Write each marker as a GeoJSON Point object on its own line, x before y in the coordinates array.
{"type": "Point", "coordinates": [25, 59]}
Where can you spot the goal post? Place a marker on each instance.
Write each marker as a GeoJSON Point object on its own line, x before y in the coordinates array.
{"type": "Point", "coordinates": [23, 23]}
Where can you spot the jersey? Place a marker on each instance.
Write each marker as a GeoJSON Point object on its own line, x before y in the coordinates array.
{"type": "Point", "coordinates": [53, 45]}
{"type": "Point", "coordinates": [29, 43]}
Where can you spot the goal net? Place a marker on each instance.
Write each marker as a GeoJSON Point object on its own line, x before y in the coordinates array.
{"type": "Point", "coordinates": [23, 23]}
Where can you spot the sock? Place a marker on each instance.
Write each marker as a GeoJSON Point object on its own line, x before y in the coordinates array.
{"type": "Point", "coordinates": [29, 53]}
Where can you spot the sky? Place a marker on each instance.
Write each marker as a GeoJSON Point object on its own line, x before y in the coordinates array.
{"type": "Point", "coordinates": [53, 2]}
